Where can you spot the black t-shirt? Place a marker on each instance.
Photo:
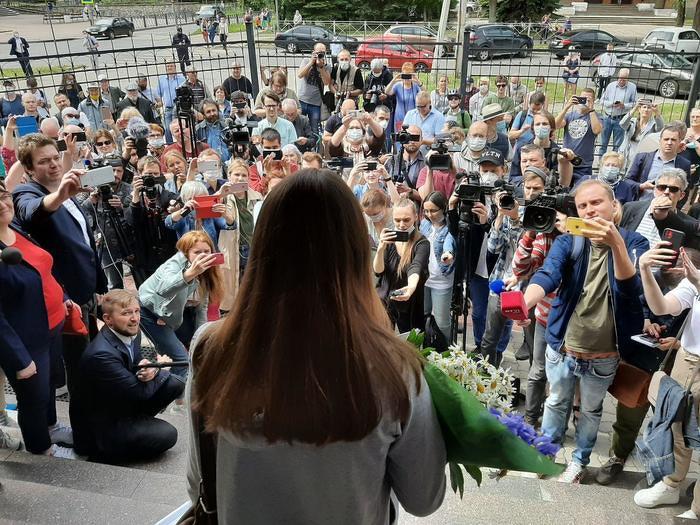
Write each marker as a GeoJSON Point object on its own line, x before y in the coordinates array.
{"type": "Point", "coordinates": [333, 123]}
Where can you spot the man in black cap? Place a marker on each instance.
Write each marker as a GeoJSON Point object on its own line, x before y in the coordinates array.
{"type": "Point", "coordinates": [181, 43]}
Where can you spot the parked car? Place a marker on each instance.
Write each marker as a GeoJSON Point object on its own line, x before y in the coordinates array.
{"type": "Point", "coordinates": [489, 40]}
{"type": "Point", "coordinates": [305, 37]}
{"type": "Point", "coordinates": [396, 51]}
{"type": "Point", "coordinates": [588, 42]}
{"type": "Point", "coordinates": [669, 75]}
{"type": "Point", "coordinates": [208, 12]}
{"type": "Point", "coordinates": [420, 37]}
{"type": "Point", "coordinates": [680, 39]}
{"type": "Point", "coordinates": [111, 27]}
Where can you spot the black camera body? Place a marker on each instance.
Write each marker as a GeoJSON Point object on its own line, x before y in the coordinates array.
{"type": "Point", "coordinates": [554, 153]}
{"type": "Point", "coordinates": [541, 213]}
{"type": "Point", "coordinates": [372, 97]}
{"type": "Point", "coordinates": [404, 137]}
{"type": "Point", "coordinates": [150, 188]}
{"type": "Point", "coordinates": [440, 158]}
{"type": "Point", "coordinates": [469, 191]}
{"type": "Point", "coordinates": [184, 99]}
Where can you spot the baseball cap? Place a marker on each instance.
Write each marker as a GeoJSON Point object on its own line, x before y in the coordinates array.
{"type": "Point", "coordinates": [93, 85]}
{"type": "Point", "coordinates": [102, 77]}
{"type": "Point", "coordinates": [133, 86]}
{"type": "Point", "coordinates": [493, 156]}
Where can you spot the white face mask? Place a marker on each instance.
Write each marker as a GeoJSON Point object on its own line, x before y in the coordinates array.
{"type": "Point", "coordinates": [489, 178]}
{"type": "Point", "coordinates": [211, 175]}
{"type": "Point", "coordinates": [156, 143]}
{"type": "Point", "coordinates": [378, 217]}
{"type": "Point", "coordinates": [377, 74]}
{"type": "Point", "coordinates": [542, 132]}
{"type": "Point", "coordinates": [355, 135]}
{"type": "Point", "coordinates": [483, 89]}
{"type": "Point", "coordinates": [344, 64]}
{"type": "Point", "coordinates": [539, 89]}
{"type": "Point", "coordinates": [383, 123]}
{"type": "Point", "coordinates": [476, 143]}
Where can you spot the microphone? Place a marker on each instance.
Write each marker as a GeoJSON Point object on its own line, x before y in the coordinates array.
{"type": "Point", "coordinates": [497, 286]}
{"type": "Point", "coordinates": [137, 128]}
{"type": "Point", "coordinates": [512, 302]}
{"type": "Point", "coordinates": [11, 256]}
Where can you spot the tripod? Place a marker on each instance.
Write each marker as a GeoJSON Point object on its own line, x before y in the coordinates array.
{"type": "Point", "coordinates": [111, 218]}
{"type": "Point", "coordinates": [185, 119]}
{"type": "Point", "coordinates": [460, 288]}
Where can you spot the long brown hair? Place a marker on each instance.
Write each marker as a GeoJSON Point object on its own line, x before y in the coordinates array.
{"type": "Point", "coordinates": [306, 353]}
{"type": "Point", "coordinates": [415, 236]}
{"type": "Point", "coordinates": [210, 282]}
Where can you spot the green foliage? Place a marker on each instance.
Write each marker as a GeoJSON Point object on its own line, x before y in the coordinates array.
{"type": "Point", "coordinates": [377, 10]}
{"type": "Point", "coordinates": [522, 10]}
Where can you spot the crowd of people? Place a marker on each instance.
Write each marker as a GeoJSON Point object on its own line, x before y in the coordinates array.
{"type": "Point", "coordinates": [193, 187]}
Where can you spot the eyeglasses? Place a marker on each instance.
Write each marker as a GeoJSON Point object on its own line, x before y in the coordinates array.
{"type": "Point", "coordinates": [272, 106]}
{"type": "Point", "coordinates": [422, 107]}
{"type": "Point", "coordinates": [664, 187]}
{"type": "Point", "coordinates": [105, 143]}
{"type": "Point", "coordinates": [500, 85]}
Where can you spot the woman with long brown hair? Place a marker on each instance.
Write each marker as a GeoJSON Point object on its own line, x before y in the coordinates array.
{"type": "Point", "coordinates": [320, 410]}
{"type": "Point", "coordinates": [402, 267]}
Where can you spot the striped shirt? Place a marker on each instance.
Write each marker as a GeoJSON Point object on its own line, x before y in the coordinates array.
{"type": "Point", "coordinates": [528, 258]}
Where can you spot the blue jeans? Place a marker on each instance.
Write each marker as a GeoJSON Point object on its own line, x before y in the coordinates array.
{"type": "Point", "coordinates": [437, 302]}
{"type": "Point", "coordinates": [164, 339]}
{"type": "Point", "coordinates": [611, 127]}
{"type": "Point", "coordinates": [314, 114]}
{"type": "Point", "coordinates": [479, 295]}
{"type": "Point", "coordinates": [168, 117]}
{"type": "Point", "coordinates": [595, 376]}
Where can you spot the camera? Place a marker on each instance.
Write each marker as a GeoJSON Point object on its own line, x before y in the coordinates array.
{"type": "Point", "coordinates": [106, 193]}
{"type": "Point", "coordinates": [372, 97]}
{"type": "Point", "coordinates": [507, 199]}
{"type": "Point", "coordinates": [150, 188]}
{"type": "Point", "coordinates": [469, 191]}
{"type": "Point", "coordinates": [404, 137]}
{"type": "Point", "coordinates": [555, 152]}
{"type": "Point", "coordinates": [184, 99]}
{"type": "Point", "coordinates": [321, 56]}
{"type": "Point", "coordinates": [541, 213]}
{"type": "Point", "coordinates": [440, 159]}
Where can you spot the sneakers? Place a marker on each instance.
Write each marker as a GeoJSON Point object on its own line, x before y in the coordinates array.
{"type": "Point", "coordinates": [6, 420]}
{"type": "Point", "coordinates": [522, 353]}
{"type": "Point", "coordinates": [573, 474]}
{"type": "Point", "coordinates": [7, 441]}
{"type": "Point", "coordinates": [608, 472]}
{"type": "Point", "coordinates": [62, 452]}
{"type": "Point", "coordinates": [659, 494]}
{"type": "Point", "coordinates": [688, 515]}
{"type": "Point", "coordinates": [61, 435]}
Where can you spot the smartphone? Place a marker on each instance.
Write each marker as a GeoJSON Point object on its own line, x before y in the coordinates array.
{"type": "Point", "coordinates": [574, 225]}
{"type": "Point", "coordinates": [355, 113]}
{"type": "Point", "coordinates": [371, 165]}
{"type": "Point", "coordinates": [97, 177]}
{"type": "Point", "coordinates": [239, 187]}
{"type": "Point", "coordinates": [646, 340]}
{"type": "Point", "coordinates": [401, 236]}
{"type": "Point", "coordinates": [61, 145]}
{"type": "Point", "coordinates": [406, 76]}
{"type": "Point", "coordinates": [277, 153]}
{"type": "Point", "coordinates": [208, 166]}
{"type": "Point", "coordinates": [106, 114]}
{"type": "Point", "coordinates": [396, 293]}
{"type": "Point", "coordinates": [26, 126]}
{"type": "Point", "coordinates": [79, 136]}
{"type": "Point", "coordinates": [218, 258]}
{"type": "Point", "coordinates": [646, 101]}
{"type": "Point", "coordinates": [676, 239]}
{"type": "Point", "coordinates": [581, 100]}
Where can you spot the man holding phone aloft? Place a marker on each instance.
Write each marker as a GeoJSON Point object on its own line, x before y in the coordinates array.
{"type": "Point", "coordinates": [619, 98]}
{"type": "Point", "coordinates": [314, 74]}
{"type": "Point", "coordinates": [598, 310]}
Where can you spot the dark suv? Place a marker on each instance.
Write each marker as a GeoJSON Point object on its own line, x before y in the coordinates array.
{"type": "Point", "coordinates": [489, 40]}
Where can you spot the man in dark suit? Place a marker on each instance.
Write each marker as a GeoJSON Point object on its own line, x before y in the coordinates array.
{"type": "Point", "coordinates": [20, 48]}
{"type": "Point", "coordinates": [111, 94]}
{"type": "Point", "coordinates": [651, 218]}
{"type": "Point", "coordinates": [306, 139]}
{"type": "Point", "coordinates": [45, 208]}
{"type": "Point", "coordinates": [134, 100]}
{"type": "Point", "coordinates": [120, 402]}
{"type": "Point", "coordinates": [647, 167]}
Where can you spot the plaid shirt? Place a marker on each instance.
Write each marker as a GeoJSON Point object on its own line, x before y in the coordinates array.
{"type": "Point", "coordinates": [503, 242]}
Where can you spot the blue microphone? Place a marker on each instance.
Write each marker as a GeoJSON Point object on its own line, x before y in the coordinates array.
{"type": "Point", "coordinates": [497, 286]}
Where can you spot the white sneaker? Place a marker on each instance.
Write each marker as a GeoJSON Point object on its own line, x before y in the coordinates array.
{"type": "Point", "coordinates": [574, 474]}
{"type": "Point", "coordinates": [61, 434]}
{"type": "Point", "coordinates": [62, 452]}
{"type": "Point", "coordinates": [688, 515]}
{"type": "Point", "coordinates": [8, 441]}
{"type": "Point", "coordinates": [659, 494]}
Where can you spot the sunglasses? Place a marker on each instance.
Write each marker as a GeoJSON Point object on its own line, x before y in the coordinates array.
{"type": "Point", "coordinates": [664, 187]}
{"type": "Point", "coordinates": [422, 107]}
{"type": "Point", "coordinates": [105, 143]}
{"type": "Point", "coordinates": [500, 85]}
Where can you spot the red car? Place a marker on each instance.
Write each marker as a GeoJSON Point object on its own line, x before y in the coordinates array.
{"type": "Point", "coordinates": [396, 51]}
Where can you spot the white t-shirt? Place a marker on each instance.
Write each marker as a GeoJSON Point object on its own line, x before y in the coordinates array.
{"type": "Point", "coordinates": [78, 216]}
{"type": "Point", "coordinates": [687, 295]}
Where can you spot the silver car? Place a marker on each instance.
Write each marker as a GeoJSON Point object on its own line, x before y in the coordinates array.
{"type": "Point", "coordinates": [668, 74]}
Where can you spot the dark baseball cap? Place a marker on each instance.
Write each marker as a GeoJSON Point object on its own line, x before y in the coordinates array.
{"type": "Point", "coordinates": [493, 156]}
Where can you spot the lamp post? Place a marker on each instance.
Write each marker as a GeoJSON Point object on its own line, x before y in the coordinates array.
{"type": "Point", "coordinates": [49, 12]}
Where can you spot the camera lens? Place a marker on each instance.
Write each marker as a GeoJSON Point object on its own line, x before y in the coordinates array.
{"type": "Point", "coordinates": [506, 202]}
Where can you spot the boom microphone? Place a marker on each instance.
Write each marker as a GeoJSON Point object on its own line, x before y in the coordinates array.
{"type": "Point", "coordinates": [137, 128]}
{"type": "Point", "coordinates": [11, 256]}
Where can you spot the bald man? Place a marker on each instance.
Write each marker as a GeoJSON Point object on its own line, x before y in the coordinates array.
{"type": "Point", "coordinates": [336, 120]}
{"type": "Point", "coordinates": [49, 127]}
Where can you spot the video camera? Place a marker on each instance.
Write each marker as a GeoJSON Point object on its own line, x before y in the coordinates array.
{"type": "Point", "coordinates": [372, 97]}
{"type": "Point", "coordinates": [441, 159]}
{"type": "Point", "coordinates": [184, 100]}
{"type": "Point", "coordinates": [470, 190]}
{"type": "Point", "coordinates": [404, 137]}
{"type": "Point", "coordinates": [150, 188]}
{"type": "Point", "coordinates": [541, 213]}
{"type": "Point", "coordinates": [235, 134]}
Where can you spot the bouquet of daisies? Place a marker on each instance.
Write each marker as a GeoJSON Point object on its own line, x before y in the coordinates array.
{"type": "Point", "coordinates": [472, 399]}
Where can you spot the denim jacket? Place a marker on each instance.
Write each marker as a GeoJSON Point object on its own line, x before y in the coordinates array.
{"type": "Point", "coordinates": [655, 447]}
{"type": "Point", "coordinates": [444, 242]}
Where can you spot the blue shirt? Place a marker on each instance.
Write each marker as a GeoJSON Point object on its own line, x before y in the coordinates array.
{"type": "Point", "coordinates": [167, 87]}
{"type": "Point", "coordinates": [283, 126]}
{"type": "Point", "coordinates": [430, 125]}
{"type": "Point", "coordinates": [614, 93]}
{"type": "Point", "coordinates": [211, 134]}
{"type": "Point", "coordinates": [522, 119]}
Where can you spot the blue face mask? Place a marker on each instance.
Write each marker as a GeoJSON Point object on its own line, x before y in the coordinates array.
{"type": "Point", "coordinates": [73, 121]}
{"type": "Point", "coordinates": [691, 145]}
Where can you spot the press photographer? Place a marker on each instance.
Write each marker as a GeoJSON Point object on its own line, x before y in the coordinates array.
{"type": "Point", "coordinates": [154, 243]}
{"type": "Point", "coordinates": [439, 174]}
{"type": "Point", "coordinates": [104, 210]}
{"type": "Point", "coordinates": [346, 78]}
{"type": "Point", "coordinates": [313, 76]}
{"type": "Point", "coordinates": [374, 89]}
{"type": "Point", "coordinates": [241, 113]}
{"type": "Point", "coordinates": [406, 162]}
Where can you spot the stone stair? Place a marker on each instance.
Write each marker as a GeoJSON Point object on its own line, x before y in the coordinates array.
{"type": "Point", "coordinates": [614, 14]}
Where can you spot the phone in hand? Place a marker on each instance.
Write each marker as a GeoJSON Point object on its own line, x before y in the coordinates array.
{"type": "Point", "coordinates": [97, 177]}
{"type": "Point", "coordinates": [61, 145]}
{"type": "Point", "coordinates": [106, 114]}
{"type": "Point", "coordinates": [218, 258]}
{"type": "Point", "coordinates": [396, 293]}
{"type": "Point", "coordinates": [406, 76]}
{"type": "Point", "coordinates": [645, 102]}
{"type": "Point", "coordinates": [276, 152]}
{"type": "Point", "coordinates": [355, 113]}
{"type": "Point", "coordinates": [208, 166]}
{"type": "Point", "coordinates": [646, 340]}
{"type": "Point", "coordinates": [582, 100]}
{"type": "Point", "coordinates": [26, 126]}
{"type": "Point", "coordinates": [371, 165]}
{"type": "Point", "coordinates": [79, 136]}
{"type": "Point", "coordinates": [239, 187]}
{"type": "Point", "coordinates": [676, 238]}
{"type": "Point", "coordinates": [574, 225]}
{"type": "Point", "coordinates": [401, 235]}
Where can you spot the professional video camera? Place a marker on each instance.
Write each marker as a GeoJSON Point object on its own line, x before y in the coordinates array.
{"type": "Point", "coordinates": [236, 137]}
{"type": "Point", "coordinates": [184, 99]}
{"type": "Point", "coordinates": [137, 129]}
{"type": "Point", "coordinates": [441, 159]}
{"type": "Point", "coordinates": [541, 213]}
{"type": "Point", "coordinates": [471, 190]}
{"type": "Point", "coordinates": [404, 137]}
{"type": "Point", "coordinates": [372, 97]}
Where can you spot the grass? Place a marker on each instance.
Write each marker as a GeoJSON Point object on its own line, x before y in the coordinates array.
{"type": "Point", "coordinates": [16, 72]}
{"type": "Point", "coordinates": [232, 28]}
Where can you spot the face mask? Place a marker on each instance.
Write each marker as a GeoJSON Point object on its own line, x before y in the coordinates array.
{"type": "Point", "coordinates": [355, 135]}
{"type": "Point", "coordinates": [514, 86]}
{"type": "Point", "coordinates": [609, 174]}
{"type": "Point", "coordinates": [477, 143]}
{"type": "Point", "coordinates": [211, 175]}
{"type": "Point", "coordinates": [344, 65]}
{"type": "Point", "coordinates": [483, 89]}
{"type": "Point", "coordinates": [539, 89]}
{"type": "Point", "coordinates": [385, 124]}
{"type": "Point", "coordinates": [378, 217]}
{"type": "Point", "coordinates": [489, 178]}
{"type": "Point", "coordinates": [410, 230]}
{"type": "Point", "coordinates": [71, 121]}
{"type": "Point", "coordinates": [543, 132]}
{"type": "Point", "coordinates": [376, 75]}
{"type": "Point", "coordinates": [691, 145]}
{"type": "Point", "coordinates": [16, 35]}
{"type": "Point", "coordinates": [156, 143]}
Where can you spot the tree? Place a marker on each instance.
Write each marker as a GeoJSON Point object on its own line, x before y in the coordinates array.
{"type": "Point", "coordinates": [520, 10]}
{"type": "Point", "coordinates": [680, 12]}
{"type": "Point", "coordinates": [397, 10]}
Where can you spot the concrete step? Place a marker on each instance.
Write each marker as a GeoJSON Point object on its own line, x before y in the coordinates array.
{"type": "Point", "coordinates": [626, 20]}
{"type": "Point", "coordinates": [4, 11]}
